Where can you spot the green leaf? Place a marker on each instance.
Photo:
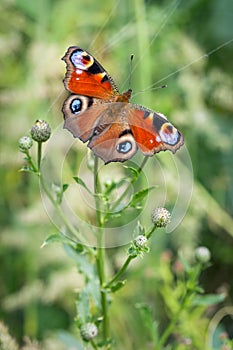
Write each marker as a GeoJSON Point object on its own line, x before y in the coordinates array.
{"type": "Point", "coordinates": [83, 307]}
{"type": "Point", "coordinates": [79, 181]}
{"type": "Point", "coordinates": [109, 187]}
{"type": "Point", "coordinates": [64, 187]}
{"type": "Point", "coordinates": [114, 185]}
{"type": "Point", "coordinates": [118, 286]}
{"type": "Point", "coordinates": [84, 266]}
{"type": "Point", "coordinates": [59, 190]}
{"type": "Point", "coordinates": [148, 321]}
{"type": "Point", "coordinates": [134, 171]}
{"type": "Point", "coordinates": [105, 344]}
{"type": "Point", "coordinates": [79, 248]}
{"type": "Point", "coordinates": [132, 251]}
{"type": "Point", "coordinates": [90, 294]}
{"type": "Point", "coordinates": [116, 214]}
{"type": "Point", "coordinates": [93, 290]}
{"type": "Point", "coordinates": [27, 169]}
{"type": "Point", "coordinates": [57, 238]}
{"type": "Point", "coordinates": [137, 198]}
{"type": "Point", "coordinates": [207, 300]}
{"type": "Point", "coordinates": [88, 297]}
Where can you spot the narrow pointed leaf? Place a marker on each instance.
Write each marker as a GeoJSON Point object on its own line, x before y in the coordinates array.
{"type": "Point", "coordinates": [84, 266]}
{"type": "Point", "coordinates": [118, 286]}
{"type": "Point", "coordinates": [138, 197]}
{"type": "Point", "coordinates": [57, 238]}
{"type": "Point", "coordinates": [64, 187]}
{"type": "Point", "coordinates": [82, 183]}
{"type": "Point", "coordinates": [134, 171]}
{"type": "Point", "coordinates": [209, 299]}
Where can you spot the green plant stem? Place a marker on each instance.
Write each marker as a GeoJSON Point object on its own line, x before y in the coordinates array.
{"type": "Point", "coordinates": [149, 234]}
{"type": "Point", "coordinates": [39, 154]}
{"type": "Point", "coordinates": [31, 163]}
{"type": "Point", "coordinates": [121, 271]}
{"type": "Point", "coordinates": [100, 266]}
{"type": "Point", "coordinates": [143, 164]}
{"type": "Point", "coordinates": [100, 257]}
{"type": "Point", "coordinates": [97, 192]}
{"type": "Point", "coordinates": [127, 262]}
{"type": "Point", "coordinates": [94, 345]}
{"type": "Point", "coordinates": [173, 322]}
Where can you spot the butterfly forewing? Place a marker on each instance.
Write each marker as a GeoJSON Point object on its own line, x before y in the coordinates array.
{"type": "Point", "coordinates": [85, 75]}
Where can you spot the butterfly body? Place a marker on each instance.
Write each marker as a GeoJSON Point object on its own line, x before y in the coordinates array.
{"type": "Point", "coordinates": [96, 112]}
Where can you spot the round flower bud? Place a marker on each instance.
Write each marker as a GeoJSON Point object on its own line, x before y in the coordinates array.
{"type": "Point", "coordinates": [25, 143]}
{"type": "Point", "coordinates": [88, 331]}
{"type": "Point", "coordinates": [202, 254]}
{"type": "Point", "coordinates": [160, 217]}
{"type": "Point", "coordinates": [140, 241]}
{"type": "Point", "coordinates": [40, 131]}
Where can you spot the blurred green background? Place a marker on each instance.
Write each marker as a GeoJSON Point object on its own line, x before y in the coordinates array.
{"type": "Point", "coordinates": [37, 285]}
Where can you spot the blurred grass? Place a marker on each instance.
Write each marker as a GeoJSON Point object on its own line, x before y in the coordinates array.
{"type": "Point", "coordinates": [164, 36]}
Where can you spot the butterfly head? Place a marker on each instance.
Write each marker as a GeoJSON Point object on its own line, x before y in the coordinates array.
{"type": "Point", "coordinates": [125, 97]}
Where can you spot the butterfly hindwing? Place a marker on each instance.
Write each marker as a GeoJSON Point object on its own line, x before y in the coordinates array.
{"type": "Point", "coordinates": [153, 132]}
{"type": "Point", "coordinates": [102, 124]}
{"type": "Point", "coordinates": [130, 127]}
{"type": "Point", "coordinates": [82, 115]}
{"type": "Point", "coordinates": [113, 140]}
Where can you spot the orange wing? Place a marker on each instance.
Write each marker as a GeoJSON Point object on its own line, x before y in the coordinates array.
{"type": "Point", "coordinates": [152, 131]}
{"type": "Point", "coordinates": [85, 75]}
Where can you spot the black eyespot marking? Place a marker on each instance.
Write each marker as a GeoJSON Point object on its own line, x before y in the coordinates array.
{"type": "Point", "coordinates": [124, 147]}
{"type": "Point", "coordinates": [76, 106]}
{"type": "Point", "coordinates": [87, 58]}
{"type": "Point", "coordinates": [169, 128]}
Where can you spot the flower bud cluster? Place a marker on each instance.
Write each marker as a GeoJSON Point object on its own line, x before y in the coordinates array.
{"type": "Point", "coordinates": [88, 331]}
{"type": "Point", "coordinates": [161, 217]}
{"type": "Point", "coordinates": [202, 255]}
{"type": "Point", "coordinates": [40, 131]}
{"type": "Point", "coordinates": [25, 143]}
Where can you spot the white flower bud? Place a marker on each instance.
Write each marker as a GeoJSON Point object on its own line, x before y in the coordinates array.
{"type": "Point", "coordinates": [160, 217]}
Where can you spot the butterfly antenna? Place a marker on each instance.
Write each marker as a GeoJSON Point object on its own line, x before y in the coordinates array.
{"type": "Point", "coordinates": [130, 71]}
{"type": "Point", "coordinates": [149, 89]}
{"type": "Point", "coordinates": [155, 88]}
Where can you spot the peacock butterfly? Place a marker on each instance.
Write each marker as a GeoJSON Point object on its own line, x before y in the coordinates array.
{"type": "Point", "coordinates": [96, 112]}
